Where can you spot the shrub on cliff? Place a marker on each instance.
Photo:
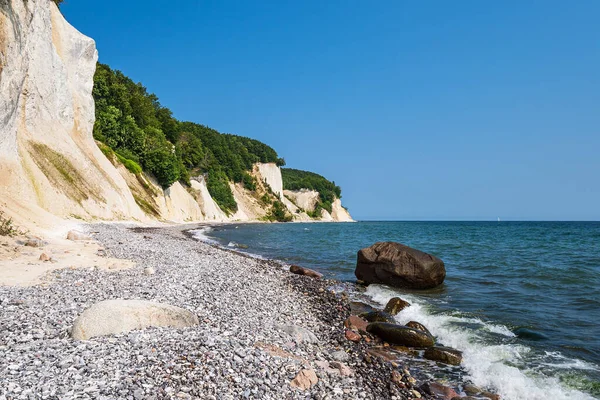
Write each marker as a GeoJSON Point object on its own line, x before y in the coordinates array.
{"type": "Point", "coordinates": [295, 179]}
{"type": "Point", "coordinates": [7, 227]}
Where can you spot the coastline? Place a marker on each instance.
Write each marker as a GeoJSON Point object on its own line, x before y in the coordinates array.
{"type": "Point", "coordinates": [239, 350]}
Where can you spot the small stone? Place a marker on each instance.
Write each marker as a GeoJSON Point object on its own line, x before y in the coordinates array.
{"type": "Point", "coordinates": [305, 379]}
{"type": "Point", "coordinates": [352, 336]}
{"type": "Point", "coordinates": [149, 271]}
{"type": "Point", "coordinates": [34, 242]}
{"type": "Point", "coordinates": [491, 396]}
{"type": "Point", "coordinates": [75, 236]}
{"type": "Point", "coordinates": [44, 257]}
{"type": "Point", "coordinates": [416, 394]}
{"type": "Point", "coordinates": [343, 368]}
{"type": "Point", "coordinates": [340, 355]}
{"type": "Point", "coordinates": [396, 377]}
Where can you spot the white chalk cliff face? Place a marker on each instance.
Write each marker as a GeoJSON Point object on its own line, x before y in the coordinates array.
{"type": "Point", "coordinates": [49, 163]}
{"type": "Point", "coordinates": [50, 166]}
{"type": "Point", "coordinates": [271, 174]}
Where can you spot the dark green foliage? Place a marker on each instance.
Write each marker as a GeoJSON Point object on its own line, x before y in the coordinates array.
{"type": "Point", "coordinates": [278, 213]}
{"type": "Point", "coordinates": [132, 122]}
{"type": "Point", "coordinates": [218, 186]}
{"type": "Point", "coordinates": [249, 181]}
{"type": "Point", "coordinates": [295, 179]}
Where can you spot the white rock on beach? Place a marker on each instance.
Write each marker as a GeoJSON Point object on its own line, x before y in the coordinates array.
{"type": "Point", "coordinates": [119, 316]}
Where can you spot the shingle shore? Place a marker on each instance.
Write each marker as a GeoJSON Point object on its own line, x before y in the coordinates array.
{"type": "Point", "coordinates": [239, 350]}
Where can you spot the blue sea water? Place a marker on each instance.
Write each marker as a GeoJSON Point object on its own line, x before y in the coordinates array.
{"type": "Point", "coordinates": [520, 299]}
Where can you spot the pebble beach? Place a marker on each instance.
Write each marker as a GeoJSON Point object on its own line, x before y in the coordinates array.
{"type": "Point", "coordinates": [263, 332]}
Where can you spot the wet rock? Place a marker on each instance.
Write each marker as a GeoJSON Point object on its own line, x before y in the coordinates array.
{"type": "Point", "coordinates": [439, 391]}
{"type": "Point", "coordinates": [119, 316]}
{"type": "Point", "coordinates": [377, 316]}
{"type": "Point", "coordinates": [418, 326]}
{"type": "Point", "coordinates": [471, 390]}
{"type": "Point", "coordinates": [352, 336]}
{"type": "Point", "coordinates": [298, 270]}
{"type": "Point", "coordinates": [405, 350]}
{"type": "Point", "coordinates": [398, 265]}
{"type": "Point", "coordinates": [356, 324]}
{"type": "Point", "coordinates": [396, 377]}
{"type": "Point", "coordinates": [400, 334]}
{"type": "Point", "coordinates": [305, 379]}
{"type": "Point", "coordinates": [383, 353]}
{"type": "Point", "coordinates": [75, 236]}
{"type": "Point", "coordinates": [395, 305]}
{"type": "Point", "coordinates": [358, 307]}
{"type": "Point", "coordinates": [446, 355]}
{"type": "Point", "coordinates": [491, 396]}
{"type": "Point", "coordinates": [529, 334]}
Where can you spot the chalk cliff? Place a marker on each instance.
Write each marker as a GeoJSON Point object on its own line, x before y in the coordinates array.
{"type": "Point", "coordinates": [49, 163]}
{"type": "Point", "coordinates": [51, 169]}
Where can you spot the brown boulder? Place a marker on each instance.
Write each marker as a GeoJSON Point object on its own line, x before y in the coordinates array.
{"type": "Point", "coordinates": [298, 270]}
{"type": "Point", "coordinates": [439, 391]}
{"type": "Point", "coordinates": [377, 316]}
{"type": "Point", "coordinates": [398, 265]}
{"type": "Point", "coordinates": [418, 326]}
{"type": "Point", "coordinates": [395, 305]}
{"type": "Point", "coordinates": [445, 355]}
{"type": "Point", "coordinates": [352, 336]}
{"type": "Point", "coordinates": [356, 324]}
{"type": "Point", "coordinates": [400, 334]}
{"type": "Point", "coordinates": [358, 307]}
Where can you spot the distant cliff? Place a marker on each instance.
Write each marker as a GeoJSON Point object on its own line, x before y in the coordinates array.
{"type": "Point", "coordinates": [77, 142]}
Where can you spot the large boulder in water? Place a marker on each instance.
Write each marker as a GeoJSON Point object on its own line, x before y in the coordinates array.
{"type": "Point", "coordinates": [398, 265]}
{"type": "Point", "coordinates": [400, 334]}
{"type": "Point", "coordinates": [120, 316]}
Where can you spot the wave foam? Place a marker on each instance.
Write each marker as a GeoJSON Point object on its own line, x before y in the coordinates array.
{"type": "Point", "coordinates": [488, 365]}
{"type": "Point", "coordinates": [201, 234]}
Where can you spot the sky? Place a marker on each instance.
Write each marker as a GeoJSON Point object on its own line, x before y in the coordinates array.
{"type": "Point", "coordinates": [426, 110]}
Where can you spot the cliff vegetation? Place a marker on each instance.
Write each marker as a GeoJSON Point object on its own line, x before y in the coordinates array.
{"type": "Point", "coordinates": [131, 122]}
{"type": "Point", "coordinates": [295, 179]}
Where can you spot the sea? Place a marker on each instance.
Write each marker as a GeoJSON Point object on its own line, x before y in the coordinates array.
{"type": "Point", "coordinates": [521, 300]}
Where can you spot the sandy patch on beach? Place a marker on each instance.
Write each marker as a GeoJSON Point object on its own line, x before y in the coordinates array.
{"type": "Point", "coordinates": [20, 265]}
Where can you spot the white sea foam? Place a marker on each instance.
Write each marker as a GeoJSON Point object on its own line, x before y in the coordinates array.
{"type": "Point", "coordinates": [201, 234]}
{"type": "Point", "coordinates": [561, 362]}
{"type": "Point", "coordinates": [488, 365]}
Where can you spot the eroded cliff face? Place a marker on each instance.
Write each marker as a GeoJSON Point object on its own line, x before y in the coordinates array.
{"type": "Point", "coordinates": [49, 163]}
{"type": "Point", "coordinates": [51, 169]}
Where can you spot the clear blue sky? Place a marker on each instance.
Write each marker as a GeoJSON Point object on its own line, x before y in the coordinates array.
{"type": "Point", "coordinates": [418, 109]}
